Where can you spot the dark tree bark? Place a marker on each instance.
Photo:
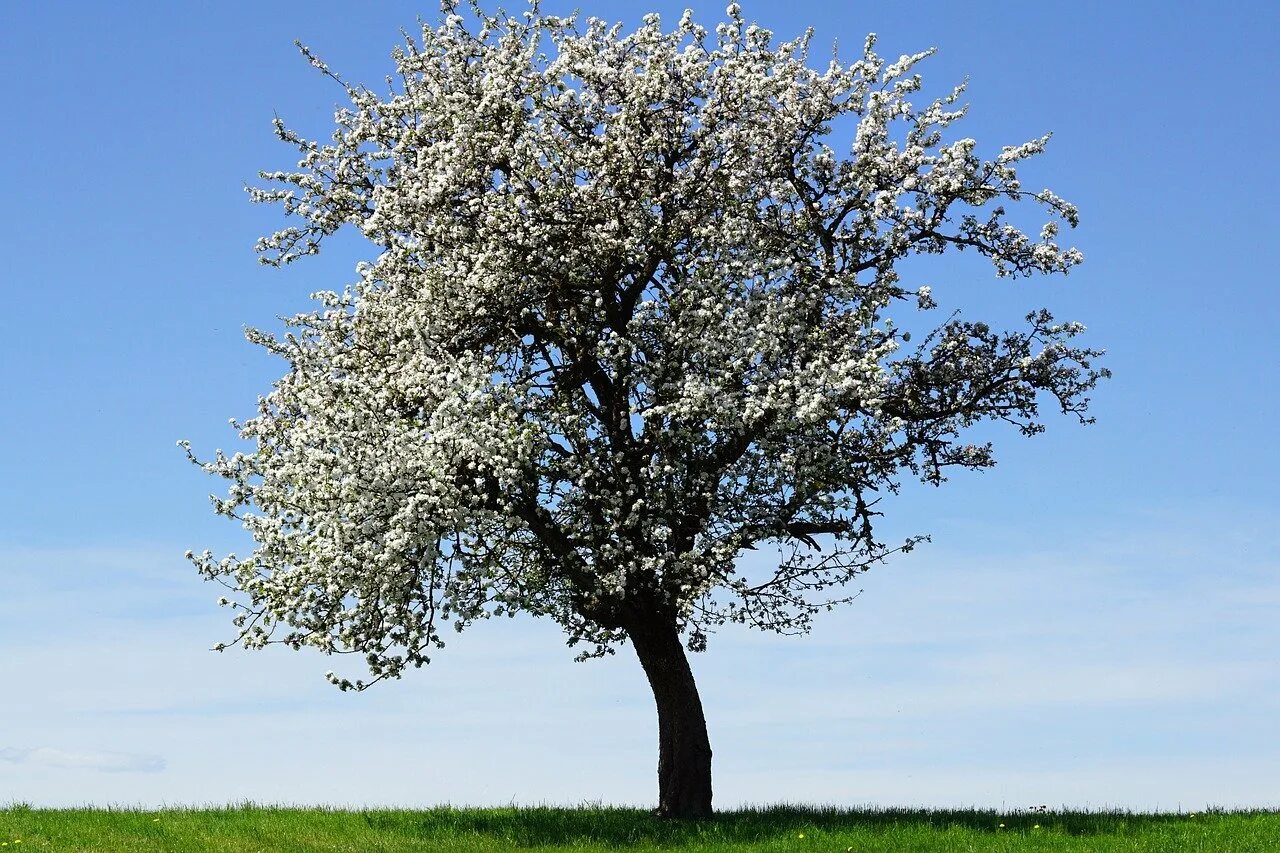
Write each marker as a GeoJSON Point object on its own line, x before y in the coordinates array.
{"type": "Point", "coordinates": [684, 750]}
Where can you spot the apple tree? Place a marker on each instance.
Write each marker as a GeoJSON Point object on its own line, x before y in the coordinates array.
{"type": "Point", "coordinates": [626, 313]}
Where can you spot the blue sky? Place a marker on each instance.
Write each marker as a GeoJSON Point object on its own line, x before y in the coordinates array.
{"type": "Point", "coordinates": [1095, 622]}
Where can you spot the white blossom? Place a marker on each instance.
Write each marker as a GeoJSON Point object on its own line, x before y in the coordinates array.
{"type": "Point", "coordinates": [627, 316]}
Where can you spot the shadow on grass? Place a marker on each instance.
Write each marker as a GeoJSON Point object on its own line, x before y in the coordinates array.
{"type": "Point", "coordinates": [618, 827]}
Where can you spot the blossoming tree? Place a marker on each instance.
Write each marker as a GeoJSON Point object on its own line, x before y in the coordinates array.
{"type": "Point", "coordinates": [628, 316]}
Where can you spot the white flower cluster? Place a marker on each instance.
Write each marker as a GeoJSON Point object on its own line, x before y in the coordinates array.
{"type": "Point", "coordinates": [626, 319]}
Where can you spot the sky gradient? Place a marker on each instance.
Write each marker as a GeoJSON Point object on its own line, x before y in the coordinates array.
{"type": "Point", "coordinates": [1094, 624]}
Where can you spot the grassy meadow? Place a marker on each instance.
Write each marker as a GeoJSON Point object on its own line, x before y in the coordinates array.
{"type": "Point", "coordinates": [781, 828]}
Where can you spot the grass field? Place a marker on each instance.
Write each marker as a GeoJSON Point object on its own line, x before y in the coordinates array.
{"type": "Point", "coordinates": [257, 828]}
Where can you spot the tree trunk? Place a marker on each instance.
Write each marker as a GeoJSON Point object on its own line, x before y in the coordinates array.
{"type": "Point", "coordinates": [684, 751]}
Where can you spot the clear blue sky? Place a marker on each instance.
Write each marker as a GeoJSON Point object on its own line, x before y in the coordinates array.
{"type": "Point", "coordinates": [1095, 622]}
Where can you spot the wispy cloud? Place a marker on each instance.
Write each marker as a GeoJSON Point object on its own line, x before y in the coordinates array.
{"type": "Point", "coordinates": [104, 762]}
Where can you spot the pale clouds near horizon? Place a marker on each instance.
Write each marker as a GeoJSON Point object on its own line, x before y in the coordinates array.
{"type": "Point", "coordinates": [1133, 669]}
{"type": "Point", "coordinates": [103, 762]}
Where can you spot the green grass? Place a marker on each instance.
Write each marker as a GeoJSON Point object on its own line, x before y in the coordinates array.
{"type": "Point", "coordinates": [781, 828]}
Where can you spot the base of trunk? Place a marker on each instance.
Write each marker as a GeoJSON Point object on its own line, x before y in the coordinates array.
{"type": "Point", "coordinates": [684, 750]}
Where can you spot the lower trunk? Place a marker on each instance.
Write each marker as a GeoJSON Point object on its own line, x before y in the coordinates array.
{"type": "Point", "coordinates": [684, 751]}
